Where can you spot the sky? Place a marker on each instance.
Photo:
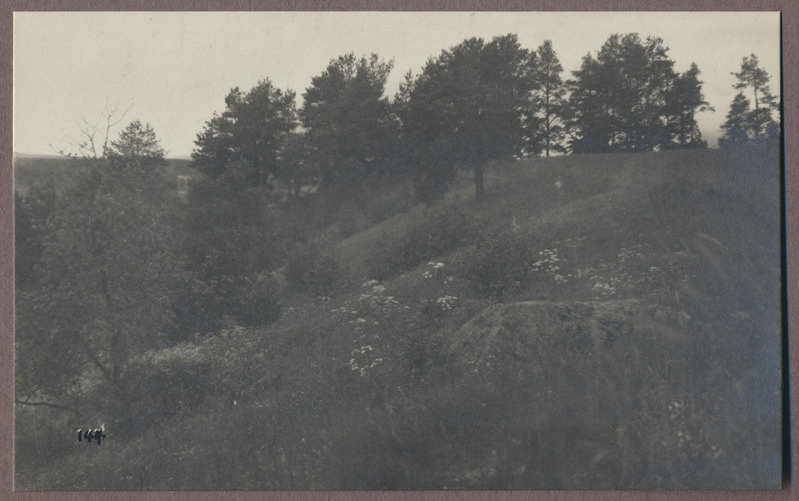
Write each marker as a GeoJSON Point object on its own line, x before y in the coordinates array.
{"type": "Point", "coordinates": [173, 69]}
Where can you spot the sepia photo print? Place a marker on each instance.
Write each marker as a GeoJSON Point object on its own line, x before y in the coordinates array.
{"type": "Point", "coordinates": [397, 250]}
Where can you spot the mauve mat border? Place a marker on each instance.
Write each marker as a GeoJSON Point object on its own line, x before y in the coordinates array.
{"type": "Point", "coordinates": [790, 94]}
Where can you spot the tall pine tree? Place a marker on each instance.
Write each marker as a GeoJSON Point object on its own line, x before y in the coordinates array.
{"type": "Point", "coordinates": [465, 110]}
{"type": "Point", "coordinates": [544, 132]}
{"type": "Point", "coordinates": [744, 123]}
{"type": "Point", "coordinates": [683, 102]}
{"type": "Point", "coordinates": [347, 119]}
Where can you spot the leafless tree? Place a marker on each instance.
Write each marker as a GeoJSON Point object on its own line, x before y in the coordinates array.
{"type": "Point", "coordinates": [93, 135]}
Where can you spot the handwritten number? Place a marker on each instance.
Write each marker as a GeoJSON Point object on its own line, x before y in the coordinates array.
{"type": "Point", "coordinates": [97, 434]}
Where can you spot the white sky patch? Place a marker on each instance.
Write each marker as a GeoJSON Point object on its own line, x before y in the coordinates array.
{"type": "Point", "coordinates": [177, 67]}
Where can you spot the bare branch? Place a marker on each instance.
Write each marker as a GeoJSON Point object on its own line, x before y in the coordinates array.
{"type": "Point", "coordinates": [94, 137]}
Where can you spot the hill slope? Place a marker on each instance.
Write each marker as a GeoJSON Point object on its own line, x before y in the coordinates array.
{"type": "Point", "coordinates": [597, 321]}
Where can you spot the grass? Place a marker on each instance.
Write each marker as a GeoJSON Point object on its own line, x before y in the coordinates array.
{"type": "Point", "coordinates": [598, 321]}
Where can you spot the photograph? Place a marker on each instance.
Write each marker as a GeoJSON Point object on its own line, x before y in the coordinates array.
{"type": "Point", "coordinates": [398, 251]}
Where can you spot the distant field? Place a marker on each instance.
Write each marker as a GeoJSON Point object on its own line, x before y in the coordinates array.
{"type": "Point", "coordinates": [31, 169]}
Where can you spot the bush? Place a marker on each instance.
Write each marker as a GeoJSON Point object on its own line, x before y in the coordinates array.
{"type": "Point", "coordinates": [443, 229]}
{"type": "Point", "coordinates": [314, 269]}
{"type": "Point", "coordinates": [503, 262]}
{"type": "Point", "coordinates": [258, 301]}
{"type": "Point", "coordinates": [389, 203]}
{"type": "Point", "coordinates": [170, 383]}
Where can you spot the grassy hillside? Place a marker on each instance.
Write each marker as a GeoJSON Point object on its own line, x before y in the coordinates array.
{"type": "Point", "coordinates": [596, 321]}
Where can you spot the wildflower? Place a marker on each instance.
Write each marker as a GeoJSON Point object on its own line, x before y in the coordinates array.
{"type": "Point", "coordinates": [446, 302]}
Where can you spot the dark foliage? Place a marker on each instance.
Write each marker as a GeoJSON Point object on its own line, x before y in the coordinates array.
{"type": "Point", "coordinates": [312, 268]}
{"type": "Point", "coordinates": [747, 125]}
{"type": "Point", "coordinates": [629, 98]}
{"type": "Point", "coordinates": [251, 131]}
{"type": "Point", "coordinates": [444, 228]}
{"type": "Point", "coordinates": [543, 123]}
{"type": "Point", "coordinates": [501, 263]}
{"type": "Point", "coordinates": [109, 273]}
{"type": "Point", "coordinates": [463, 110]}
{"type": "Point", "coordinates": [349, 132]}
{"type": "Point", "coordinates": [32, 226]}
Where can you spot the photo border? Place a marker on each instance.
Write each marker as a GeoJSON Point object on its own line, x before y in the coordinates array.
{"type": "Point", "coordinates": [789, 93]}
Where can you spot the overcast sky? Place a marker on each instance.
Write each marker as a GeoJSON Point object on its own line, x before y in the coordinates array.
{"type": "Point", "coordinates": [174, 69]}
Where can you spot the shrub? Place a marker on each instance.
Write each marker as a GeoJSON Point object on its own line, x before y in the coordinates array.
{"type": "Point", "coordinates": [257, 301]}
{"type": "Point", "coordinates": [444, 229]}
{"type": "Point", "coordinates": [170, 383]}
{"type": "Point", "coordinates": [501, 263]}
{"type": "Point", "coordinates": [351, 220]}
{"type": "Point", "coordinates": [389, 203]}
{"type": "Point", "coordinates": [314, 269]}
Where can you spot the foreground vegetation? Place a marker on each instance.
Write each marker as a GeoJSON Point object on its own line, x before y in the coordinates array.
{"type": "Point", "coordinates": [595, 321]}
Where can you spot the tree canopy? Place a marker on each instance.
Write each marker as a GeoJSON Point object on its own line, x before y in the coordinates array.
{"type": "Point", "coordinates": [110, 271]}
{"type": "Point", "coordinates": [251, 129]}
{"type": "Point", "coordinates": [744, 123]}
{"type": "Point", "coordinates": [347, 119]}
{"type": "Point", "coordinates": [464, 110]}
{"type": "Point", "coordinates": [683, 101]}
{"type": "Point", "coordinates": [629, 98]}
{"type": "Point", "coordinates": [544, 132]}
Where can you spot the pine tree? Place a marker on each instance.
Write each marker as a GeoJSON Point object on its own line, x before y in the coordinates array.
{"type": "Point", "coordinates": [683, 102]}
{"type": "Point", "coordinates": [346, 117]}
{"type": "Point", "coordinates": [465, 110]}
{"type": "Point", "coordinates": [744, 123]}
{"type": "Point", "coordinates": [544, 132]}
{"type": "Point", "coordinates": [618, 99]}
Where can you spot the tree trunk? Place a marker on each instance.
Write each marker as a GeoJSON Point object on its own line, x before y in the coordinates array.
{"type": "Point", "coordinates": [479, 185]}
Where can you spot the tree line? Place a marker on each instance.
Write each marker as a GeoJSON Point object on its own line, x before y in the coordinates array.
{"type": "Point", "coordinates": [475, 102]}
